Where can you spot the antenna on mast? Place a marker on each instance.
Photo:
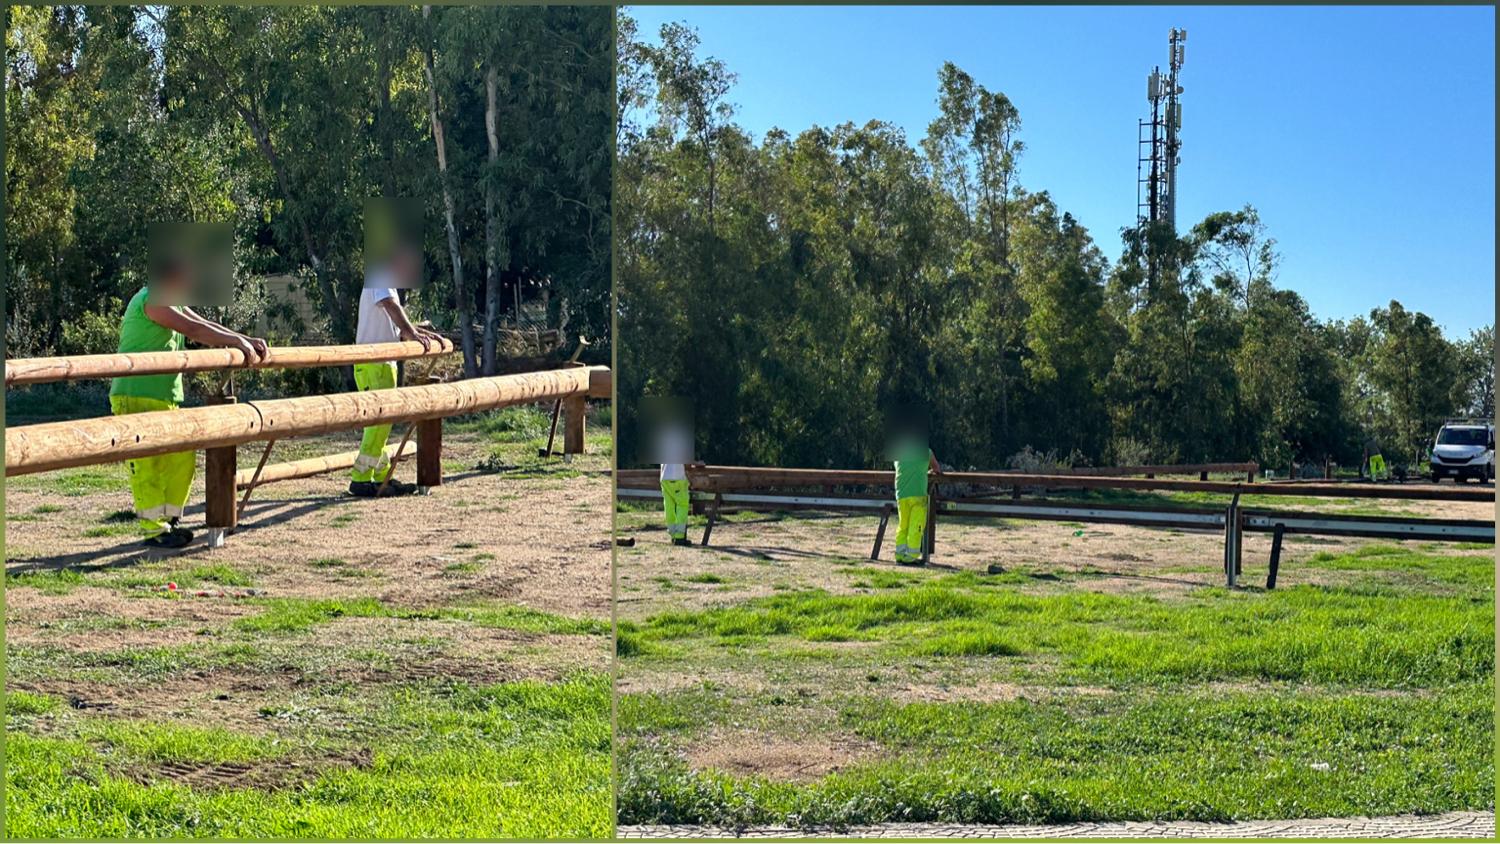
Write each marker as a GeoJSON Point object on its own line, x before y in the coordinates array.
{"type": "Point", "coordinates": [1159, 139]}
{"type": "Point", "coordinates": [1159, 144]}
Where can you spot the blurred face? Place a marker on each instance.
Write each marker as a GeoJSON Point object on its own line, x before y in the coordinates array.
{"type": "Point", "coordinates": [393, 242]}
{"type": "Point", "coordinates": [906, 431]}
{"type": "Point", "coordinates": [191, 264]}
{"type": "Point", "coordinates": [170, 285]}
{"type": "Point", "coordinates": [667, 425]}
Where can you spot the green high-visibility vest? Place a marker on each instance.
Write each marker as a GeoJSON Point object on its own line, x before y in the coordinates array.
{"type": "Point", "coordinates": [911, 471]}
{"type": "Point", "coordinates": [139, 333]}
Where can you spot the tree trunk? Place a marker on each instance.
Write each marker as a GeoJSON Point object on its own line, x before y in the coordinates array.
{"type": "Point", "coordinates": [460, 290]}
{"type": "Point", "coordinates": [491, 224]}
{"type": "Point", "coordinates": [383, 116]}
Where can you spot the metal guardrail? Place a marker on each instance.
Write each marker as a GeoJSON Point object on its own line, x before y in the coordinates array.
{"type": "Point", "coordinates": [1233, 520]}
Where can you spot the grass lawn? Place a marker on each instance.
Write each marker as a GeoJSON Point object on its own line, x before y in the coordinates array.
{"type": "Point", "coordinates": [527, 759]}
{"type": "Point", "coordinates": [1025, 697]}
{"type": "Point", "coordinates": [339, 669]}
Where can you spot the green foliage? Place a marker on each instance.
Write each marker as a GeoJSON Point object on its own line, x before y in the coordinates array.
{"type": "Point", "coordinates": [282, 121]}
{"type": "Point", "coordinates": [21, 702]}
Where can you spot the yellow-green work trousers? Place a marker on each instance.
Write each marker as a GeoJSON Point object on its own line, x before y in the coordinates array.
{"type": "Point", "coordinates": [675, 501]}
{"type": "Point", "coordinates": [911, 524]}
{"type": "Point", "coordinates": [160, 484]}
{"type": "Point", "coordinates": [372, 463]}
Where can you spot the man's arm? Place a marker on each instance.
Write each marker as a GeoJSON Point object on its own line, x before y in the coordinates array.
{"type": "Point", "coordinates": [932, 462]}
{"type": "Point", "coordinates": [206, 332]}
{"type": "Point", "coordinates": [393, 309]}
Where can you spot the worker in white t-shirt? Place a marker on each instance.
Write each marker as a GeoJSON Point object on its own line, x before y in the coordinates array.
{"type": "Point", "coordinates": [674, 447]}
{"type": "Point", "coordinates": [383, 320]}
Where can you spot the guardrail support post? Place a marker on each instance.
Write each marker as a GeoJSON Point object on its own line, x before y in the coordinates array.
{"type": "Point", "coordinates": [929, 536]}
{"type": "Point", "coordinates": [1239, 541]}
{"type": "Point", "coordinates": [1232, 536]}
{"type": "Point", "coordinates": [220, 509]}
{"type": "Point", "coordinates": [429, 454]}
{"type": "Point", "coordinates": [574, 408]}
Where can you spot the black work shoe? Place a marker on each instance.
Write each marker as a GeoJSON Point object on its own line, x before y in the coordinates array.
{"type": "Point", "coordinates": [682, 541]}
{"type": "Point", "coordinates": [169, 539]}
{"type": "Point", "coordinates": [183, 533]}
{"type": "Point", "coordinates": [910, 561]}
{"type": "Point", "coordinates": [395, 487]}
{"type": "Point", "coordinates": [363, 489]}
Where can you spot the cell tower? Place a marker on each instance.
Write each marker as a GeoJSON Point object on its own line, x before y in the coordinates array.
{"type": "Point", "coordinates": [1158, 142]}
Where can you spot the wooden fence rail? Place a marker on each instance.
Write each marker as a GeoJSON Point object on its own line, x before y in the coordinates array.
{"type": "Point", "coordinates": [26, 371]}
{"type": "Point", "coordinates": [732, 478]}
{"type": "Point", "coordinates": [219, 429]}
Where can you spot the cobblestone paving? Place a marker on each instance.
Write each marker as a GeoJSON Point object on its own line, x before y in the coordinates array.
{"type": "Point", "coordinates": [1450, 825]}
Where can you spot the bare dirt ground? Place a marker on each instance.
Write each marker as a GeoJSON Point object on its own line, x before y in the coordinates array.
{"type": "Point", "coordinates": [86, 604]}
{"type": "Point", "coordinates": [761, 555]}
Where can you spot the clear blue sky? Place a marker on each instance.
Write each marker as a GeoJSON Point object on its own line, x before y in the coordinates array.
{"type": "Point", "coordinates": [1365, 136]}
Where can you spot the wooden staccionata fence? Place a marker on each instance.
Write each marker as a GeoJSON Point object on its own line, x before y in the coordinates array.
{"type": "Point", "coordinates": [219, 428]}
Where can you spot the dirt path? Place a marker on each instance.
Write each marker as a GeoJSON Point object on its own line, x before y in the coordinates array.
{"type": "Point", "coordinates": [482, 535]}
{"type": "Point", "coordinates": [1449, 825]}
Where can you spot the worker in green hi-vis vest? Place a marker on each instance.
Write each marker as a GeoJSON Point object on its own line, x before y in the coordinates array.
{"type": "Point", "coordinates": [155, 321]}
{"type": "Point", "coordinates": [907, 438]}
{"type": "Point", "coordinates": [913, 459]}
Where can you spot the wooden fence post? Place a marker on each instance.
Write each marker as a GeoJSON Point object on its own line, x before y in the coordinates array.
{"type": "Point", "coordinates": [574, 408]}
{"type": "Point", "coordinates": [429, 454]}
{"type": "Point", "coordinates": [220, 509]}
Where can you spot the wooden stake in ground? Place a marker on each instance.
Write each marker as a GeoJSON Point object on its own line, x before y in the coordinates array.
{"type": "Point", "coordinates": [391, 473]}
{"type": "Point", "coordinates": [254, 479]}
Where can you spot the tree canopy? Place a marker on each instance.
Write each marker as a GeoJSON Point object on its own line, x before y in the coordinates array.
{"type": "Point", "coordinates": [796, 286]}
{"type": "Point", "coordinates": [283, 121]}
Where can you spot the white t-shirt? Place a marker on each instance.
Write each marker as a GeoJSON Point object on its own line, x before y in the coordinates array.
{"type": "Point", "coordinates": [673, 472]}
{"type": "Point", "coordinates": [375, 325]}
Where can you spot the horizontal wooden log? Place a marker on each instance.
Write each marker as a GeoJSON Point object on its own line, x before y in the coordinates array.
{"type": "Point", "coordinates": [84, 442]}
{"type": "Point", "coordinates": [1164, 469]}
{"type": "Point", "coordinates": [25, 371]}
{"type": "Point", "coordinates": [1326, 490]}
{"type": "Point", "coordinates": [729, 478]}
{"type": "Point", "coordinates": [309, 467]}
{"type": "Point", "coordinates": [601, 383]}
{"type": "Point", "coordinates": [876, 476]}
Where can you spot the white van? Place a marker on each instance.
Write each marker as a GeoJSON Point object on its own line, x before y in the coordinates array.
{"type": "Point", "coordinates": [1465, 448]}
